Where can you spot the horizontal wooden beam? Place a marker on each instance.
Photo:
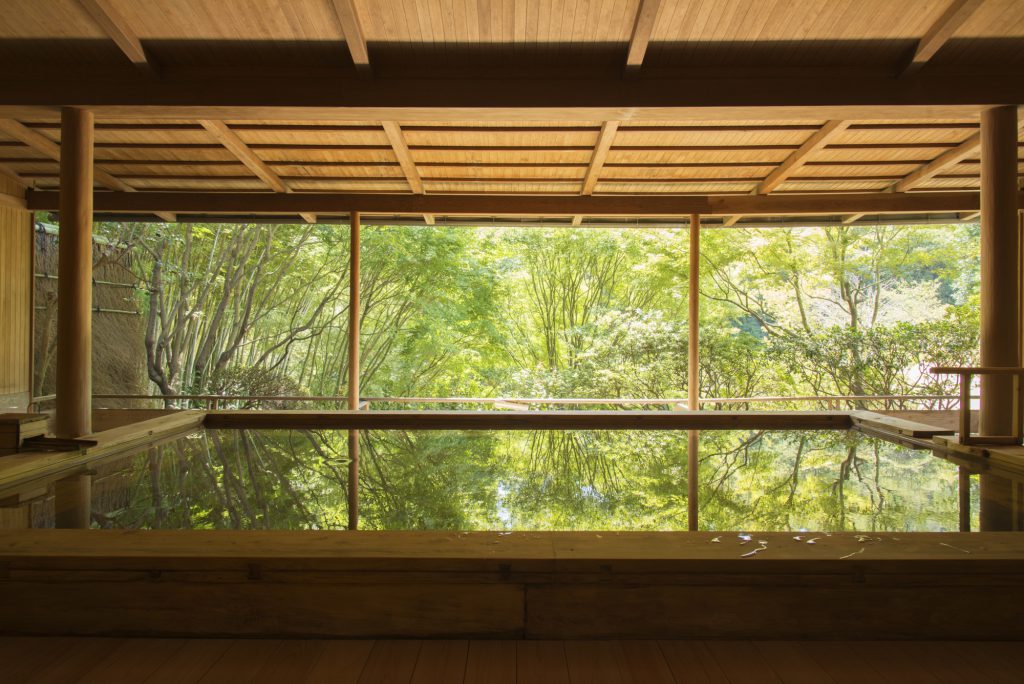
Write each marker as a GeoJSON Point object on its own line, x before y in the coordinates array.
{"type": "Point", "coordinates": [783, 204]}
{"type": "Point", "coordinates": [594, 96]}
{"type": "Point", "coordinates": [530, 420]}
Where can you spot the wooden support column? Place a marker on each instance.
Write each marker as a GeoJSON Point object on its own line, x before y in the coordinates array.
{"type": "Point", "coordinates": [74, 279]}
{"type": "Point", "coordinates": [353, 370]}
{"type": "Point", "coordinates": [693, 375]}
{"type": "Point", "coordinates": [1000, 296]}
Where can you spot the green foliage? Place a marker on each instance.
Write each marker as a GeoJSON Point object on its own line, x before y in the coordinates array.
{"type": "Point", "coordinates": [559, 312]}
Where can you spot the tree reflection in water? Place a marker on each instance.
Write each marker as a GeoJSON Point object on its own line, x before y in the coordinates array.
{"type": "Point", "coordinates": [528, 480]}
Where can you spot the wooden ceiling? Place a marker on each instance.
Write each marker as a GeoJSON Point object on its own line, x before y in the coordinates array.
{"type": "Point", "coordinates": [136, 54]}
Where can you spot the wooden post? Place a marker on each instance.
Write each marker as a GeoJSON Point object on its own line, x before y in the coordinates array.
{"type": "Point", "coordinates": [1000, 295]}
{"type": "Point", "coordinates": [964, 483]}
{"type": "Point", "coordinates": [693, 362]}
{"type": "Point", "coordinates": [353, 314]}
{"type": "Point", "coordinates": [353, 370]}
{"type": "Point", "coordinates": [72, 502]}
{"type": "Point", "coordinates": [693, 376]}
{"type": "Point", "coordinates": [74, 276]}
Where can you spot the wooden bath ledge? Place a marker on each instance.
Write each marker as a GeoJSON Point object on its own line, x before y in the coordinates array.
{"type": "Point", "coordinates": [547, 585]}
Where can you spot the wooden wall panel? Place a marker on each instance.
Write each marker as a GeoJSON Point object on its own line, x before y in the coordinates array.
{"type": "Point", "coordinates": [15, 305]}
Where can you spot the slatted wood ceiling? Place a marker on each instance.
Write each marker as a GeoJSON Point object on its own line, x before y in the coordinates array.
{"type": "Point", "coordinates": [515, 156]}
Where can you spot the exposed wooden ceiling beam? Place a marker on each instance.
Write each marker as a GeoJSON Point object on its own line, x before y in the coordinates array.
{"type": "Point", "coordinates": [818, 140]}
{"type": "Point", "coordinates": [577, 220]}
{"type": "Point", "coordinates": [352, 27]}
{"type": "Point", "coordinates": [527, 205]}
{"type": "Point", "coordinates": [955, 15]}
{"type": "Point", "coordinates": [853, 218]}
{"type": "Point", "coordinates": [230, 140]}
{"type": "Point", "coordinates": [949, 158]}
{"type": "Point", "coordinates": [40, 143]}
{"type": "Point", "coordinates": [928, 95]}
{"type": "Point", "coordinates": [729, 221]}
{"type": "Point", "coordinates": [405, 160]}
{"type": "Point", "coordinates": [115, 26]}
{"type": "Point", "coordinates": [604, 143]}
{"type": "Point", "coordinates": [643, 27]}
{"type": "Point", "coordinates": [397, 139]}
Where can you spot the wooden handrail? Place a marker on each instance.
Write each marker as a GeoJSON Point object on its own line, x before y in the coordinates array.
{"type": "Point", "coordinates": [977, 370]}
{"type": "Point", "coordinates": [966, 374]}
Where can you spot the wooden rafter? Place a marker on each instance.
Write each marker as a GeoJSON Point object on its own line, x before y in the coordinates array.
{"type": "Point", "coordinates": [643, 27]}
{"type": "Point", "coordinates": [397, 139]}
{"type": "Point", "coordinates": [783, 204]}
{"type": "Point", "coordinates": [955, 15]}
{"type": "Point", "coordinates": [604, 144]}
{"type": "Point", "coordinates": [853, 218]}
{"type": "Point", "coordinates": [115, 26]}
{"type": "Point", "coordinates": [230, 140]}
{"type": "Point", "coordinates": [40, 143]}
{"type": "Point", "coordinates": [968, 148]}
{"type": "Point", "coordinates": [818, 140]}
{"type": "Point", "coordinates": [352, 27]}
{"type": "Point", "coordinates": [405, 160]}
{"type": "Point", "coordinates": [577, 220]}
{"type": "Point", "coordinates": [949, 158]}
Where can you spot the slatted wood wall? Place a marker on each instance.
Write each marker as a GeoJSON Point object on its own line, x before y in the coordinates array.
{"type": "Point", "coordinates": [15, 304]}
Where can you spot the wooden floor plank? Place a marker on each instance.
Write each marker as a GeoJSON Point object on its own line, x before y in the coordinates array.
{"type": "Point", "coordinates": [843, 661]}
{"type": "Point", "coordinates": [541, 662]}
{"type": "Point", "coordinates": [989, 659]}
{"type": "Point", "coordinates": [899, 662]}
{"type": "Point", "coordinates": [443, 660]}
{"type": "Point", "coordinates": [792, 665]}
{"type": "Point", "coordinates": [690, 661]}
{"type": "Point", "coordinates": [21, 656]}
{"type": "Point", "coordinates": [946, 663]}
{"type": "Point", "coordinates": [742, 663]}
{"type": "Point", "coordinates": [594, 662]}
{"type": "Point", "coordinates": [71, 665]}
{"type": "Point", "coordinates": [133, 660]}
{"type": "Point", "coordinates": [291, 661]}
{"type": "Point", "coordinates": [645, 662]}
{"type": "Point", "coordinates": [491, 662]}
{"type": "Point", "coordinates": [241, 661]}
{"type": "Point", "coordinates": [191, 662]}
{"type": "Point", "coordinates": [391, 661]}
{"type": "Point", "coordinates": [340, 661]}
